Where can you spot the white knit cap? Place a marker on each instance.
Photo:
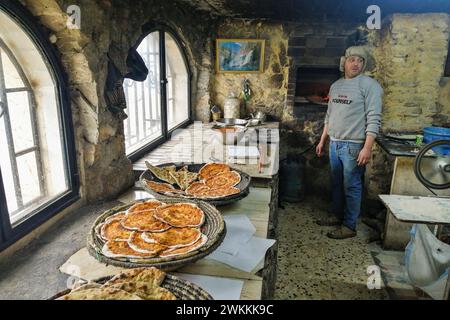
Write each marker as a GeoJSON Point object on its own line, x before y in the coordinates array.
{"type": "Point", "coordinates": [359, 51]}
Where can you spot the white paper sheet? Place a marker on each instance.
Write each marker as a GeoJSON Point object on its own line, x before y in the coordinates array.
{"type": "Point", "coordinates": [239, 231]}
{"type": "Point", "coordinates": [219, 288]}
{"type": "Point", "coordinates": [243, 152]}
{"type": "Point", "coordinates": [248, 256]}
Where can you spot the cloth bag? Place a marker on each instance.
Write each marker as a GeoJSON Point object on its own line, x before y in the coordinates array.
{"type": "Point", "coordinates": [427, 261]}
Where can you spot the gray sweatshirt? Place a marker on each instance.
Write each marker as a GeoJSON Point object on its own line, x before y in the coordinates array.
{"type": "Point", "coordinates": [354, 108]}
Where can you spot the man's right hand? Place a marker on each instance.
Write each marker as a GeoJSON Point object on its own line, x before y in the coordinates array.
{"type": "Point", "coordinates": [319, 149]}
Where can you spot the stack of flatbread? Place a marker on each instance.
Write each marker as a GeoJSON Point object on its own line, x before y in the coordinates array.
{"type": "Point", "coordinates": [152, 229]}
{"type": "Point", "coordinates": [214, 180]}
{"type": "Point", "coordinates": [133, 284]}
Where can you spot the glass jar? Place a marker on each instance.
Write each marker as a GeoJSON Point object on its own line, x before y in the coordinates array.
{"type": "Point", "coordinates": [231, 107]}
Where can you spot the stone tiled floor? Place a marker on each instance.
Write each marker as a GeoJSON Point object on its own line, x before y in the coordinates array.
{"type": "Point", "coordinates": [312, 266]}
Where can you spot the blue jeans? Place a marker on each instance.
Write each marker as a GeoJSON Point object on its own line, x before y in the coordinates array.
{"type": "Point", "coordinates": [346, 181]}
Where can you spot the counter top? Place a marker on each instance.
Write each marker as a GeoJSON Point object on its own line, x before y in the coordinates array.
{"type": "Point", "coordinates": [398, 148]}
{"type": "Point", "coordinates": [198, 143]}
{"type": "Point", "coordinates": [255, 206]}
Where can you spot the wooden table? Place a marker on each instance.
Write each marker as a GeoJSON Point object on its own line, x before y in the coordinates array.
{"type": "Point", "coordinates": [194, 144]}
{"type": "Point", "coordinates": [404, 182]}
{"type": "Point", "coordinates": [416, 209]}
{"type": "Point", "coordinates": [198, 143]}
{"type": "Point", "coordinates": [256, 286]}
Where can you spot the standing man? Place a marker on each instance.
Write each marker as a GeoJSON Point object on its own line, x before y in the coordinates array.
{"type": "Point", "coordinates": [352, 121]}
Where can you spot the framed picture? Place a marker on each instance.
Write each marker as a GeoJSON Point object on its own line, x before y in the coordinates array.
{"type": "Point", "coordinates": [240, 55]}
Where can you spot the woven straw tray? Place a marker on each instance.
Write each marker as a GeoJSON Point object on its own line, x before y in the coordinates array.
{"type": "Point", "coordinates": [243, 185]}
{"type": "Point", "coordinates": [182, 289]}
{"type": "Point", "coordinates": [213, 227]}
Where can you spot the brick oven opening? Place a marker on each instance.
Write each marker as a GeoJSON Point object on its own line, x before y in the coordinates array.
{"type": "Point", "coordinates": [313, 85]}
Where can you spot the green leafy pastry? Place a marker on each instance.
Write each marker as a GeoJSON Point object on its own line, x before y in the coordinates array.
{"type": "Point", "coordinates": [162, 173]}
{"type": "Point", "coordinates": [183, 177]}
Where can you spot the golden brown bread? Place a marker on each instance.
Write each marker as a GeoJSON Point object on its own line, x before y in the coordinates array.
{"type": "Point", "coordinates": [223, 180]}
{"type": "Point", "coordinates": [180, 215]}
{"type": "Point", "coordinates": [174, 237]}
{"type": "Point", "coordinates": [183, 250]}
{"type": "Point", "coordinates": [211, 169]}
{"type": "Point", "coordinates": [112, 229]}
{"type": "Point", "coordinates": [137, 243]}
{"type": "Point", "coordinates": [144, 221]}
{"type": "Point", "coordinates": [151, 275]}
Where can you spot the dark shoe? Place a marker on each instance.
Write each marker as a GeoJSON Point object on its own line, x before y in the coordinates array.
{"type": "Point", "coordinates": [375, 224]}
{"type": "Point", "coordinates": [342, 232]}
{"type": "Point", "coordinates": [329, 221]}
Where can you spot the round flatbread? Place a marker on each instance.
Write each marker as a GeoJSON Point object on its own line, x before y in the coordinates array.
{"type": "Point", "coordinates": [137, 243]}
{"type": "Point", "coordinates": [113, 230]}
{"type": "Point", "coordinates": [211, 169]}
{"type": "Point", "coordinates": [151, 275]}
{"type": "Point", "coordinates": [183, 250]}
{"type": "Point", "coordinates": [180, 215]}
{"type": "Point", "coordinates": [100, 294]}
{"type": "Point", "coordinates": [223, 180]}
{"type": "Point", "coordinates": [144, 290]}
{"type": "Point", "coordinates": [173, 238]}
{"type": "Point", "coordinates": [144, 221]}
{"type": "Point", "coordinates": [196, 188]}
{"type": "Point", "coordinates": [119, 215]}
{"type": "Point", "coordinates": [121, 249]}
{"type": "Point", "coordinates": [143, 206]}
{"type": "Point", "coordinates": [219, 192]}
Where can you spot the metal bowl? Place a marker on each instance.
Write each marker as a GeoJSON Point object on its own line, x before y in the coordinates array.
{"type": "Point", "coordinates": [231, 122]}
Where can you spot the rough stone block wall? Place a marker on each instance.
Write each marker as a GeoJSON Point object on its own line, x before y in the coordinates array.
{"type": "Point", "coordinates": [104, 169]}
{"type": "Point", "coordinates": [410, 56]}
{"type": "Point", "coordinates": [410, 52]}
{"type": "Point", "coordinates": [269, 87]}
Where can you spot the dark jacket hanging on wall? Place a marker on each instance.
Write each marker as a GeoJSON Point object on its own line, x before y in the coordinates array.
{"type": "Point", "coordinates": [114, 93]}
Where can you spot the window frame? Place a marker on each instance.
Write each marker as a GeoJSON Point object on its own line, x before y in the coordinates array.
{"type": "Point", "coordinates": [165, 133]}
{"type": "Point", "coordinates": [8, 234]}
{"type": "Point", "coordinates": [32, 110]}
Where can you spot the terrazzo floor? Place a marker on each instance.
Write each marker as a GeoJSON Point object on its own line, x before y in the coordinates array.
{"type": "Point", "coordinates": [312, 266]}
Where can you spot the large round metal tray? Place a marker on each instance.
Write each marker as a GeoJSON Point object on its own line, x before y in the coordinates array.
{"type": "Point", "coordinates": [243, 185]}
{"type": "Point", "coordinates": [182, 289]}
{"type": "Point", "coordinates": [231, 122]}
{"type": "Point", "coordinates": [213, 227]}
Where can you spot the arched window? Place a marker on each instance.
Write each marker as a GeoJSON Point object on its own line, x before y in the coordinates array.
{"type": "Point", "coordinates": [37, 165]}
{"type": "Point", "coordinates": [161, 103]}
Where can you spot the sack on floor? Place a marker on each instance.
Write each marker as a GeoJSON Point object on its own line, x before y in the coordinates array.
{"type": "Point", "coordinates": [427, 261]}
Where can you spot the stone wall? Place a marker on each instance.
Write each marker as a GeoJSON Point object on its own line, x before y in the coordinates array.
{"type": "Point", "coordinates": [104, 168]}
{"type": "Point", "coordinates": [269, 87]}
{"type": "Point", "coordinates": [410, 53]}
